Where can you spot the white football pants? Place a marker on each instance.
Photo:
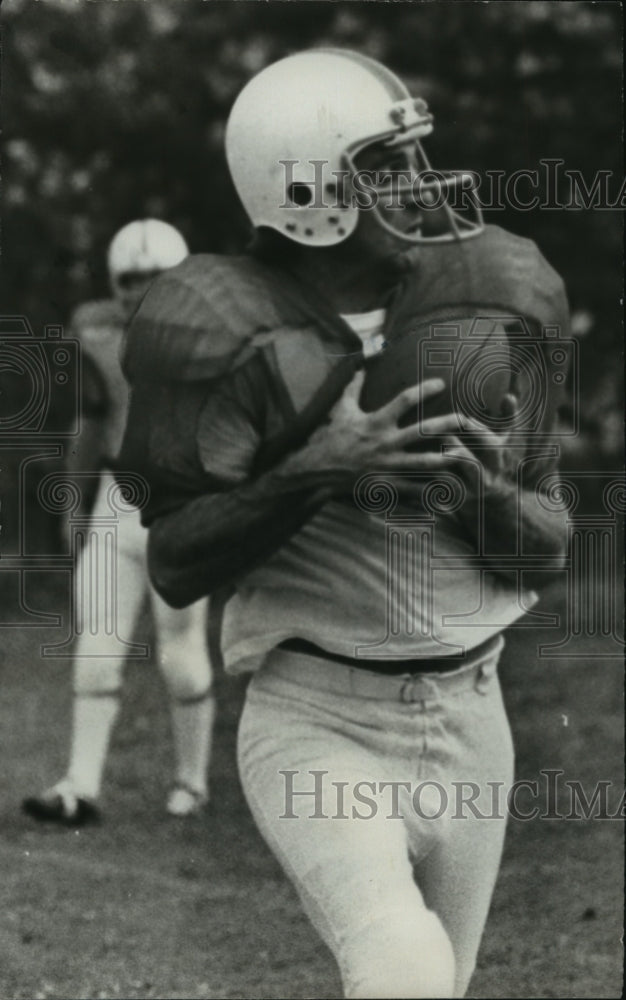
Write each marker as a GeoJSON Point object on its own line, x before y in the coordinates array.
{"type": "Point", "coordinates": [399, 889]}
{"type": "Point", "coordinates": [111, 587]}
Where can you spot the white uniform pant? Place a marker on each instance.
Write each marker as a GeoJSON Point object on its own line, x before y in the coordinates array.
{"type": "Point", "coordinates": [113, 590]}
{"type": "Point", "coordinates": [400, 898]}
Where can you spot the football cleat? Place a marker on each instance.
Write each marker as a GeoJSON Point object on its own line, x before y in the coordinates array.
{"type": "Point", "coordinates": [61, 805]}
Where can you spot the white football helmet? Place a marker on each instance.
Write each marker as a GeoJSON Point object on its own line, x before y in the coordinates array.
{"type": "Point", "coordinates": [138, 253]}
{"type": "Point", "coordinates": [307, 124]}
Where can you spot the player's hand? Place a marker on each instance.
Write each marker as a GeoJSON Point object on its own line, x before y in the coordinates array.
{"type": "Point", "coordinates": [353, 442]}
{"type": "Point", "coordinates": [491, 449]}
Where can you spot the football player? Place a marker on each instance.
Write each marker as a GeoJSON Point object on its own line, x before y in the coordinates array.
{"type": "Point", "coordinates": [137, 254]}
{"type": "Point", "coordinates": [373, 667]}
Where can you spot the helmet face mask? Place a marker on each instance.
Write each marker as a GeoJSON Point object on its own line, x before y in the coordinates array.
{"type": "Point", "coordinates": [129, 287]}
{"type": "Point", "coordinates": [130, 279]}
{"type": "Point", "coordinates": [440, 206]}
{"type": "Point", "coordinates": [310, 138]}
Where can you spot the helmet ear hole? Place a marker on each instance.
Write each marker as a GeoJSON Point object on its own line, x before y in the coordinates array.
{"type": "Point", "coordinates": [300, 194]}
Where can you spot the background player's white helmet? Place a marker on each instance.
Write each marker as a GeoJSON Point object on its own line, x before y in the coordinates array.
{"type": "Point", "coordinates": [302, 121]}
{"type": "Point", "coordinates": [138, 253]}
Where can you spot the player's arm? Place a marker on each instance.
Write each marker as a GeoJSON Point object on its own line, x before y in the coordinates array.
{"type": "Point", "coordinates": [84, 452]}
{"type": "Point", "coordinates": [210, 541]}
{"type": "Point", "coordinates": [504, 510]}
{"type": "Point", "coordinates": [215, 537]}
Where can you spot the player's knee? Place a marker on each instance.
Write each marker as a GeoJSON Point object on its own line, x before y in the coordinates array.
{"type": "Point", "coordinates": [187, 678]}
{"type": "Point", "coordinates": [401, 958]}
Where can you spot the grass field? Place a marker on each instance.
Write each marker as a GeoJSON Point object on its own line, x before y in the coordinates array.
{"type": "Point", "coordinates": [146, 906]}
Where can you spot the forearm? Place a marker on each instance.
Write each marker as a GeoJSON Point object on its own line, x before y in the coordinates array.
{"type": "Point", "coordinates": [210, 541]}
{"type": "Point", "coordinates": [216, 537]}
{"type": "Point", "coordinates": [509, 524]}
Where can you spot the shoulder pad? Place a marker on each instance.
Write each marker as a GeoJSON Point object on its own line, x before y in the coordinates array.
{"type": "Point", "coordinates": [196, 318]}
{"type": "Point", "coordinates": [495, 269]}
{"type": "Point", "coordinates": [525, 278]}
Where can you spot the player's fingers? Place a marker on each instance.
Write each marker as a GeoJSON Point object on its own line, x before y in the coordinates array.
{"type": "Point", "coordinates": [457, 451]}
{"type": "Point", "coordinates": [353, 388]}
{"type": "Point", "coordinates": [401, 461]}
{"type": "Point", "coordinates": [510, 410]}
{"type": "Point", "coordinates": [478, 430]}
{"type": "Point", "coordinates": [510, 406]}
{"type": "Point", "coordinates": [350, 395]}
{"type": "Point", "coordinates": [393, 410]}
{"type": "Point", "coordinates": [422, 431]}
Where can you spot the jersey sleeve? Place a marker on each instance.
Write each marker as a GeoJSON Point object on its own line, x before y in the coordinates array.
{"type": "Point", "coordinates": [216, 538]}
{"type": "Point", "coordinates": [231, 423]}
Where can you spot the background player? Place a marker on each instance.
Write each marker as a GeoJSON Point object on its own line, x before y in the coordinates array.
{"type": "Point", "coordinates": [137, 254]}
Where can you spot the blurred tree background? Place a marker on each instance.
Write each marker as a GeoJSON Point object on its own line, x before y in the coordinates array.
{"type": "Point", "coordinates": [115, 109]}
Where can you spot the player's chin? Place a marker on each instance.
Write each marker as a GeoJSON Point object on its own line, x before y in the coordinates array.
{"type": "Point", "coordinates": [414, 227]}
{"type": "Point", "coordinates": [407, 222]}
{"type": "Point", "coordinates": [403, 240]}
